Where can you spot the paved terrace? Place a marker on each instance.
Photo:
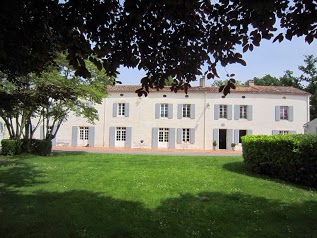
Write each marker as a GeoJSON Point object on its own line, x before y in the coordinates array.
{"type": "Point", "coordinates": [145, 151]}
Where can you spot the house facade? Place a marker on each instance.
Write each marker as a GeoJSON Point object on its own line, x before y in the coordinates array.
{"type": "Point", "coordinates": [165, 119]}
{"type": "Point", "coordinates": [311, 127]}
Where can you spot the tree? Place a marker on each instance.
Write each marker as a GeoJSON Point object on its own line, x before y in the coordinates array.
{"type": "Point", "coordinates": [47, 99]}
{"type": "Point", "coordinates": [218, 83]}
{"type": "Point", "coordinates": [163, 37]}
{"type": "Point", "coordinates": [267, 80]}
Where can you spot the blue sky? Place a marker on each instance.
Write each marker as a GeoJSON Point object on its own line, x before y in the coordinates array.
{"type": "Point", "coordinates": [269, 58]}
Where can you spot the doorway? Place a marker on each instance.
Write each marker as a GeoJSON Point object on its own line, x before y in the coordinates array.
{"type": "Point", "coordinates": [222, 139]}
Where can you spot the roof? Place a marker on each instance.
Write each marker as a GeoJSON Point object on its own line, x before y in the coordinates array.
{"type": "Point", "coordinates": [250, 89]}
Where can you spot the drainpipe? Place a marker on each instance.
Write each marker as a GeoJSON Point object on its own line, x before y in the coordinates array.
{"type": "Point", "coordinates": [308, 108]}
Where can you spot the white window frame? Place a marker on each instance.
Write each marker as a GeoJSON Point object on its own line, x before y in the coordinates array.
{"type": "Point", "coordinates": [186, 110]}
{"type": "Point", "coordinates": [163, 135]}
{"type": "Point", "coordinates": [164, 110]}
{"type": "Point", "coordinates": [121, 109]}
{"type": "Point", "coordinates": [243, 111]}
{"type": "Point", "coordinates": [284, 132]}
{"type": "Point", "coordinates": [186, 135]}
{"type": "Point", "coordinates": [283, 112]}
{"type": "Point", "coordinates": [223, 111]}
{"type": "Point", "coordinates": [121, 133]}
{"type": "Point", "coordinates": [83, 132]}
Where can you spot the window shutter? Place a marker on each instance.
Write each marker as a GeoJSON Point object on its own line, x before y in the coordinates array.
{"type": "Point", "coordinates": [192, 136]}
{"type": "Point", "coordinates": [179, 135]}
{"type": "Point", "coordinates": [91, 136]}
{"type": "Point", "coordinates": [115, 110]}
{"type": "Point", "coordinates": [192, 111]}
{"type": "Point", "coordinates": [275, 132]}
{"type": "Point", "coordinates": [290, 113]}
{"type": "Point", "coordinates": [216, 137]}
{"type": "Point", "coordinates": [157, 110]}
{"type": "Point", "coordinates": [229, 138]}
{"type": "Point", "coordinates": [171, 139]}
{"type": "Point", "coordinates": [249, 132]}
{"type": "Point", "coordinates": [128, 141]}
{"type": "Point", "coordinates": [229, 116]}
{"type": "Point", "coordinates": [249, 112]}
{"type": "Point", "coordinates": [216, 111]}
{"type": "Point", "coordinates": [112, 137]}
{"type": "Point", "coordinates": [236, 136]}
{"type": "Point", "coordinates": [74, 135]}
{"type": "Point", "coordinates": [126, 109]}
{"type": "Point", "coordinates": [154, 137]}
{"type": "Point", "coordinates": [179, 111]}
{"type": "Point", "coordinates": [277, 113]}
{"type": "Point", "coordinates": [170, 111]}
{"type": "Point", "coordinates": [236, 112]}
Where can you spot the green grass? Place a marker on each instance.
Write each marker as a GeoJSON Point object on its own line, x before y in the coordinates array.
{"type": "Point", "coordinates": [101, 195]}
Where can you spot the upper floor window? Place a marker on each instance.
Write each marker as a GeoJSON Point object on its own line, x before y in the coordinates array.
{"type": "Point", "coordinates": [121, 109]}
{"type": "Point", "coordinates": [243, 111]}
{"type": "Point", "coordinates": [186, 110]}
{"type": "Point", "coordinates": [222, 111]}
{"type": "Point", "coordinates": [164, 110]}
{"type": "Point", "coordinates": [284, 113]}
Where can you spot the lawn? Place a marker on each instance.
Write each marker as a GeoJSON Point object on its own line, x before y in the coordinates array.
{"type": "Point", "coordinates": [102, 195]}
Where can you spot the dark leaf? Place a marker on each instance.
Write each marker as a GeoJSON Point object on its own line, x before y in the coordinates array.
{"type": "Point", "coordinates": [221, 88]}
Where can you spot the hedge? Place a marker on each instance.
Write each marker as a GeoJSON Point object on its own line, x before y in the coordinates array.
{"type": "Point", "coordinates": [288, 157]}
{"type": "Point", "coordinates": [11, 147]}
{"type": "Point", "coordinates": [38, 147]}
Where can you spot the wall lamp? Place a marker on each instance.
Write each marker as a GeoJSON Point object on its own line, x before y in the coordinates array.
{"type": "Point", "coordinates": [208, 105]}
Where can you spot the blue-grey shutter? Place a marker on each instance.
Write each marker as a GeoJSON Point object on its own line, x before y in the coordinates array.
{"type": "Point", "coordinates": [275, 132]}
{"type": "Point", "coordinates": [216, 136]}
{"type": "Point", "coordinates": [277, 113]}
{"type": "Point", "coordinates": [216, 111]}
{"type": "Point", "coordinates": [236, 112]}
{"type": "Point", "coordinates": [112, 137]}
{"type": "Point", "coordinates": [179, 111]}
{"type": "Point", "coordinates": [192, 136]}
{"type": "Point", "coordinates": [179, 135]}
{"type": "Point", "coordinates": [192, 111]}
{"type": "Point", "coordinates": [171, 139]}
{"type": "Point", "coordinates": [249, 132]}
{"type": "Point", "coordinates": [229, 138]}
{"type": "Point", "coordinates": [128, 139]}
{"type": "Point", "coordinates": [290, 113]}
{"type": "Point", "coordinates": [115, 110]}
{"type": "Point", "coordinates": [154, 137]}
{"type": "Point", "coordinates": [293, 132]}
{"type": "Point", "coordinates": [170, 111]}
{"type": "Point", "coordinates": [54, 139]}
{"type": "Point", "coordinates": [236, 136]}
{"type": "Point", "coordinates": [74, 135]}
{"type": "Point", "coordinates": [126, 109]}
{"type": "Point", "coordinates": [91, 136]}
{"type": "Point", "coordinates": [157, 110]}
{"type": "Point", "coordinates": [229, 116]}
{"type": "Point", "coordinates": [249, 113]}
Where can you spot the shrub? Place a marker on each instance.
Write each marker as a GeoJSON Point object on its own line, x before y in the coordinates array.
{"type": "Point", "coordinates": [289, 157]}
{"type": "Point", "coordinates": [41, 147]}
{"type": "Point", "coordinates": [11, 147]}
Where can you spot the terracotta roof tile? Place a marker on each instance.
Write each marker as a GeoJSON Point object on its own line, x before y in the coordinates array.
{"type": "Point", "coordinates": [252, 89]}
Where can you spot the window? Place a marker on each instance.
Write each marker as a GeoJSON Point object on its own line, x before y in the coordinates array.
{"type": "Point", "coordinates": [121, 133]}
{"type": "Point", "coordinates": [186, 135]}
{"type": "Point", "coordinates": [121, 109]}
{"type": "Point", "coordinates": [283, 132]}
{"type": "Point", "coordinates": [164, 110]}
{"type": "Point", "coordinates": [83, 132]}
{"type": "Point", "coordinates": [284, 113]}
{"type": "Point", "coordinates": [186, 110]}
{"type": "Point", "coordinates": [242, 133]}
{"type": "Point", "coordinates": [243, 111]}
{"type": "Point", "coordinates": [222, 111]}
{"type": "Point", "coordinates": [163, 134]}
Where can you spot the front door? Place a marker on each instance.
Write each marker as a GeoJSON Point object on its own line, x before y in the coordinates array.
{"type": "Point", "coordinates": [163, 137]}
{"type": "Point", "coordinates": [222, 139]}
{"type": "Point", "coordinates": [83, 135]}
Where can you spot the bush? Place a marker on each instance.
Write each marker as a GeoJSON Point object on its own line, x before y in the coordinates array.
{"type": "Point", "coordinates": [289, 157]}
{"type": "Point", "coordinates": [11, 147]}
{"type": "Point", "coordinates": [41, 147]}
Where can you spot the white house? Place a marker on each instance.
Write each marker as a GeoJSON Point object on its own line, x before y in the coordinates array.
{"type": "Point", "coordinates": [311, 127]}
{"type": "Point", "coordinates": [166, 119]}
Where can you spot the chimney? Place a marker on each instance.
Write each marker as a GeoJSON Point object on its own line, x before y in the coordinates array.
{"type": "Point", "coordinates": [202, 82]}
{"type": "Point", "coordinates": [251, 83]}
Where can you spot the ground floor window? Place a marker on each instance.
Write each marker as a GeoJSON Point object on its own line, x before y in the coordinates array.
{"type": "Point", "coordinates": [283, 132]}
{"type": "Point", "coordinates": [186, 135]}
{"type": "Point", "coordinates": [83, 132]}
{"type": "Point", "coordinates": [163, 134]}
{"type": "Point", "coordinates": [242, 133]}
{"type": "Point", "coordinates": [121, 133]}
